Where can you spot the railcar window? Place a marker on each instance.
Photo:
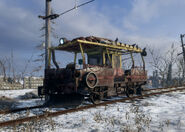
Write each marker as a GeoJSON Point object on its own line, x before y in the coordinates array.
{"type": "Point", "coordinates": [94, 60]}
{"type": "Point", "coordinates": [107, 61]}
{"type": "Point", "coordinates": [126, 62]}
{"type": "Point", "coordinates": [117, 61]}
{"type": "Point", "coordinates": [63, 58]}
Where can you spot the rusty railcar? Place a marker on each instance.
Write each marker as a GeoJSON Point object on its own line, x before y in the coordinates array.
{"type": "Point", "coordinates": [101, 74]}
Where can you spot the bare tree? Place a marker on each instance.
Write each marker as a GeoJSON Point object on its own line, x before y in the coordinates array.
{"type": "Point", "coordinates": [163, 62]}
{"type": "Point", "coordinates": [8, 70]}
{"type": "Point", "coordinates": [24, 71]}
{"type": "Point", "coordinates": [158, 63]}
{"type": "Point", "coordinates": [3, 68]}
{"type": "Point", "coordinates": [13, 66]}
{"type": "Point", "coordinates": [171, 57]}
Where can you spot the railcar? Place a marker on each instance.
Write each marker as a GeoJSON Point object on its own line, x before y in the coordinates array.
{"type": "Point", "coordinates": [100, 75]}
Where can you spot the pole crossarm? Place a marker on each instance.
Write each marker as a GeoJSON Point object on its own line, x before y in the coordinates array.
{"type": "Point", "coordinates": [53, 16]}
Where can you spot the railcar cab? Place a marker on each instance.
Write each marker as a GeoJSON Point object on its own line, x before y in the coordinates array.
{"type": "Point", "coordinates": [102, 59]}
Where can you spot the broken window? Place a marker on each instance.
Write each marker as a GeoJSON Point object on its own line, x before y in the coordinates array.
{"type": "Point", "coordinates": [95, 59]}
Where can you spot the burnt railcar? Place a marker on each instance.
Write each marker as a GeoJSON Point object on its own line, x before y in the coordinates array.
{"type": "Point", "coordinates": [101, 74]}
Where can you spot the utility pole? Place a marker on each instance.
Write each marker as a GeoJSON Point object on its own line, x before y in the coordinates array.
{"type": "Point", "coordinates": [47, 33]}
{"type": "Point", "coordinates": [183, 52]}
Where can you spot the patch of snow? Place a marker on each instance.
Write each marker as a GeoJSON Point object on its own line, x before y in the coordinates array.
{"type": "Point", "coordinates": [15, 93]}
{"type": "Point", "coordinates": [30, 102]}
{"type": "Point", "coordinates": [158, 113]}
{"type": "Point", "coordinates": [21, 82]}
{"type": "Point", "coordinates": [167, 113]}
{"type": "Point", "coordinates": [19, 98]}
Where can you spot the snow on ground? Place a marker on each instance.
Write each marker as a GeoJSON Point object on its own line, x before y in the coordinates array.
{"type": "Point", "coordinates": [15, 93]}
{"type": "Point", "coordinates": [158, 113]}
{"type": "Point", "coordinates": [14, 98]}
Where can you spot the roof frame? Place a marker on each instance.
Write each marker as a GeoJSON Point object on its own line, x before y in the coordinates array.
{"type": "Point", "coordinates": [74, 46]}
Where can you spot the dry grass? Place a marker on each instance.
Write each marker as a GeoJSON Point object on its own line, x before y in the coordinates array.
{"type": "Point", "coordinates": [134, 120]}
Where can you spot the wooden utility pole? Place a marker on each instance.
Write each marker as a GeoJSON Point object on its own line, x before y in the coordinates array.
{"type": "Point", "coordinates": [47, 34]}
{"type": "Point", "coordinates": [183, 52]}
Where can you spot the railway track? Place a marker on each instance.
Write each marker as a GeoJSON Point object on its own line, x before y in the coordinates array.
{"type": "Point", "coordinates": [161, 88]}
{"type": "Point", "coordinates": [42, 106]}
{"type": "Point", "coordinates": [53, 114]}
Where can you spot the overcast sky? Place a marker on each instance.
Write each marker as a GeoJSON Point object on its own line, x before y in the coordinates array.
{"type": "Point", "coordinates": [155, 23]}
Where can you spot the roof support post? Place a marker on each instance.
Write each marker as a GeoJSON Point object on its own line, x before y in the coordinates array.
{"type": "Point", "coordinates": [75, 58]}
{"type": "Point", "coordinates": [83, 56]}
{"type": "Point", "coordinates": [143, 62]}
{"type": "Point", "coordinates": [133, 63]}
{"type": "Point", "coordinates": [104, 58]}
{"type": "Point", "coordinates": [109, 55]}
{"type": "Point", "coordinates": [54, 59]}
{"type": "Point", "coordinates": [120, 58]}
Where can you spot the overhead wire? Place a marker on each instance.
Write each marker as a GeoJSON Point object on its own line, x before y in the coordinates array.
{"type": "Point", "coordinates": [54, 16]}
{"type": "Point", "coordinates": [75, 7]}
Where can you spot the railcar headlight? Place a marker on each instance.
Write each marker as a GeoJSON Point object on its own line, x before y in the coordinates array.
{"type": "Point", "coordinates": [61, 41]}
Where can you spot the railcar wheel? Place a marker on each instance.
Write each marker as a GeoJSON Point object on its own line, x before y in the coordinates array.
{"type": "Point", "coordinates": [47, 98]}
{"type": "Point", "coordinates": [139, 91]}
{"type": "Point", "coordinates": [94, 98]}
{"type": "Point", "coordinates": [129, 92]}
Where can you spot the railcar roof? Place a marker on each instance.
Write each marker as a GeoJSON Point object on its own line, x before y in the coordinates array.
{"type": "Point", "coordinates": [74, 46]}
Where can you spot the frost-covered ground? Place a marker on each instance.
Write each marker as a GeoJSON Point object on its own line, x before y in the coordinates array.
{"type": "Point", "coordinates": [18, 98]}
{"type": "Point", "coordinates": [15, 93]}
{"type": "Point", "coordinates": [158, 113]}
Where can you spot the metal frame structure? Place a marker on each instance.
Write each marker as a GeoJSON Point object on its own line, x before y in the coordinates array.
{"type": "Point", "coordinates": [83, 46]}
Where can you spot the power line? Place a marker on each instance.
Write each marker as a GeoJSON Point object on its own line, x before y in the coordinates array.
{"type": "Point", "coordinates": [75, 7]}
{"type": "Point", "coordinates": [54, 16]}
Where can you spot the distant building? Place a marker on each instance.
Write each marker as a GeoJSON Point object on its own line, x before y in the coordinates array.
{"type": "Point", "coordinates": [26, 83]}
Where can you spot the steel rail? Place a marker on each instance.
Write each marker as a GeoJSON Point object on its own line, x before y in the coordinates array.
{"type": "Point", "coordinates": [53, 114]}
{"type": "Point", "coordinates": [161, 88]}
